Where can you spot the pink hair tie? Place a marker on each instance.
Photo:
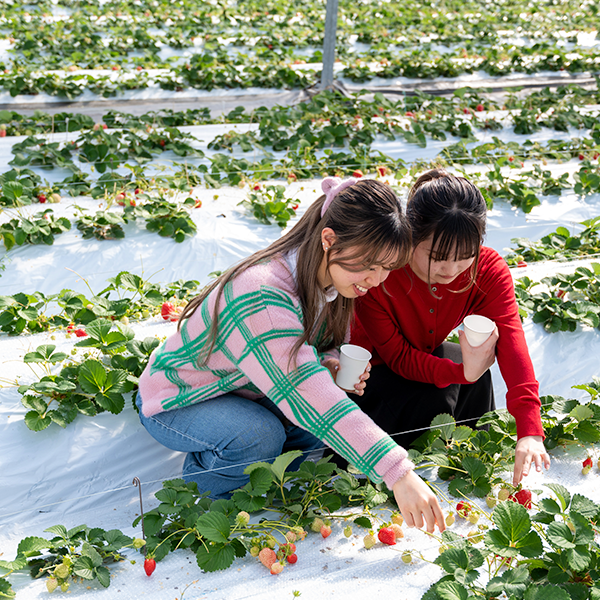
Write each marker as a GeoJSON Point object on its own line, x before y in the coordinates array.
{"type": "Point", "coordinates": [331, 187]}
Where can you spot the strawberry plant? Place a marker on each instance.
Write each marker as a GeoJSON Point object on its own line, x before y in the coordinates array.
{"type": "Point", "coordinates": [104, 225]}
{"type": "Point", "coordinates": [19, 187]}
{"type": "Point", "coordinates": [218, 531]}
{"type": "Point", "coordinates": [560, 244]}
{"type": "Point", "coordinates": [165, 218]}
{"type": "Point", "coordinates": [94, 385]}
{"type": "Point", "coordinates": [551, 554]}
{"type": "Point", "coordinates": [268, 204]}
{"type": "Point", "coordinates": [81, 552]}
{"type": "Point", "coordinates": [40, 229]}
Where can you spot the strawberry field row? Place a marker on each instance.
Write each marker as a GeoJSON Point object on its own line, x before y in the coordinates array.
{"type": "Point", "coordinates": [508, 550]}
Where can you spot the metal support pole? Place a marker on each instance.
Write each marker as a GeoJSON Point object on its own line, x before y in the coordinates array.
{"type": "Point", "coordinates": [329, 44]}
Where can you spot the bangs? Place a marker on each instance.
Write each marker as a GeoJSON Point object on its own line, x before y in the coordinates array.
{"type": "Point", "coordinates": [390, 257]}
{"type": "Point", "coordinates": [460, 242]}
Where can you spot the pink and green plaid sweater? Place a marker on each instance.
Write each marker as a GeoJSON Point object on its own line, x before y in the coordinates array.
{"type": "Point", "coordinates": [260, 319]}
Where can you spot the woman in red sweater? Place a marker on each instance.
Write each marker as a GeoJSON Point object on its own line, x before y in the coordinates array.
{"type": "Point", "coordinates": [416, 375]}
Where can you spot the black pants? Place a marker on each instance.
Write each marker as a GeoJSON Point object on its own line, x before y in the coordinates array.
{"type": "Point", "coordinates": [405, 409]}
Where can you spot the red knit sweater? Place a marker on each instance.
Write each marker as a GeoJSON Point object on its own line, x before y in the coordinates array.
{"type": "Point", "coordinates": [403, 326]}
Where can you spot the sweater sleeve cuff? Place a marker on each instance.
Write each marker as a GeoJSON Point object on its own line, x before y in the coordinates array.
{"type": "Point", "coordinates": [397, 472]}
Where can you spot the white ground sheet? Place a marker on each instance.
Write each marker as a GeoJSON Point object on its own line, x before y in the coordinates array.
{"type": "Point", "coordinates": [83, 474]}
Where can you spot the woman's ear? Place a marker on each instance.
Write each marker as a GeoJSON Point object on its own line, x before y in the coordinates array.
{"type": "Point", "coordinates": [328, 237]}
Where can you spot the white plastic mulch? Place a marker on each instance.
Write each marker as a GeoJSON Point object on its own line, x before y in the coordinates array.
{"type": "Point", "coordinates": [84, 474]}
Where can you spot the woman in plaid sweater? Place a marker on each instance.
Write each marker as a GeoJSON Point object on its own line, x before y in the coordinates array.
{"type": "Point", "coordinates": [250, 372]}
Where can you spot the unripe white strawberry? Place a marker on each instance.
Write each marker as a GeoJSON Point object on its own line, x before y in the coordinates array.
{"type": "Point", "coordinates": [397, 530]}
{"type": "Point", "coordinates": [406, 557]}
{"type": "Point", "coordinates": [490, 500]}
{"type": "Point", "coordinates": [317, 524]}
{"type": "Point", "coordinates": [450, 519]}
{"type": "Point", "coordinates": [503, 494]}
{"type": "Point", "coordinates": [473, 518]}
{"type": "Point", "coordinates": [290, 536]}
{"type": "Point", "coordinates": [347, 531]}
{"type": "Point", "coordinates": [397, 519]}
{"type": "Point", "coordinates": [242, 518]}
{"type": "Point", "coordinates": [369, 541]}
{"type": "Point", "coordinates": [51, 584]}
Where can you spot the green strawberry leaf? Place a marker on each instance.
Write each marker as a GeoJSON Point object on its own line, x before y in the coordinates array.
{"type": "Point", "coordinates": [215, 558]}
{"type": "Point", "coordinates": [103, 576]}
{"type": "Point", "coordinates": [445, 424]}
{"type": "Point", "coordinates": [37, 422]}
{"type": "Point", "coordinates": [451, 590]}
{"type": "Point", "coordinates": [214, 526]}
{"type": "Point", "coordinates": [512, 582]}
{"type": "Point", "coordinates": [281, 463]}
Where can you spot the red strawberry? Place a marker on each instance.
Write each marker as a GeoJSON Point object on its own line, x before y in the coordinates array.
{"type": "Point", "coordinates": [137, 191]}
{"type": "Point", "coordinates": [382, 171]}
{"type": "Point", "coordinates": [325, 531]}
{"type": "Point", "coordinates": [80, 333]}
{"type": "Point", "coordinates": [256, 187]}
{"type": "Point", "coordinates": [521, 263]}
{"type": "Point", "coordinates": [198, 204]}
{"type": "Point", "coordinates": [2, 133]}
{"type": "Point", "coordinates": [166, 310]}
{"type": "Point", "coordinates": [408, 114]}
{"type": "Point", "coordinates": [139, 67]}
{"type": "Point", "coordinates": [294, 206]}
{"type": "Point", "coordinates": [267, 557]}
{"type": "Point", "coordinates": [162, 143]}
{"type": "Point", "coordinates": [149, 566]}
{"type": "Point", "coordinates": [291, 177]}
{"type": "Point", "coordinates": [596, 155]}
{"type": "Point", "coordinates": [292, 559]}
{"type": "Point", "coordinates": [41, 198]}
{"type": "Point", "coordinates": [511, 158]}
{"type": "Point", "coordinates": [387, 536]}
{"type": "Point", "coordinates": [523, 497]}
{"type": "Point", "coordinates": [463, 509]}
{"type": "Point", "coordinates": [358, 174]}
{"type": "Point", "coordinates": [70, 327]}
{"type": "Point", "coordinates": [479, 107]}
{"type": "Point", "coordinates": [581, 157]}
{"type": "Point", "coordinates": [588, 462]}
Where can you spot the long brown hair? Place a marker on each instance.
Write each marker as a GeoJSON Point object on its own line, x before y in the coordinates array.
{"type": "Point", "coordinates": [452, 212]}
{"type": "Point", "coordinates": [367, 218]}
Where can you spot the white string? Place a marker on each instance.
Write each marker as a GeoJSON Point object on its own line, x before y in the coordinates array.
{"type": "Point", "coordinates": [304, 452]}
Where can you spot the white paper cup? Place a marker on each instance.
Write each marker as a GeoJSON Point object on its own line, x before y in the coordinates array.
{"type": "Point", "coordinates": [353, 362]}
{"type": "Point", "coordinates": [478, 329]}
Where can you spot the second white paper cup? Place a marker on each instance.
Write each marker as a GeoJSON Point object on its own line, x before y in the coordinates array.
{"type": "Point", "coordinates": [478, 329]}
{"type": "Point", "coordinates": [353, 362]}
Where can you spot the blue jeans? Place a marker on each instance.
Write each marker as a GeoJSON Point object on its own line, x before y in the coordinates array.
{"type": "Point", "coordinates": [224, 435]}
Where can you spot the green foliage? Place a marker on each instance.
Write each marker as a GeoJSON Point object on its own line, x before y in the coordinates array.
{"type": "Point", "coordinates": [78, 552]}
{"type": "Point", "coordinates": [268, 204]}
{"type": "Point", "coordinates": [40, 229]}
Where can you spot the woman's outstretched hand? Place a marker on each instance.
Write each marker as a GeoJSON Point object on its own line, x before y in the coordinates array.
{"type": "Point", "coordinates": [530, 450]}
{"type": "Point", "coordinates": [418, 503]}
{"type": "Point", "coordinates": [476, 361]}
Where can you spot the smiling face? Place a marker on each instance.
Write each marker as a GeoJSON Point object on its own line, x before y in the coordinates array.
{"type": "Point", "coordinates": [425, 266]}
{"type": "Point", "coordinates": [351, 277]}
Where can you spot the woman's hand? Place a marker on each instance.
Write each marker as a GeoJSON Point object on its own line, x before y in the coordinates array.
{"type": "Point", "coordinates": [418, 503]}
{"type": "Point", "coordinates": [530, 449]}
{"type": "Point", "coordinates": [334, 366]}
{"type": "Point", "coordinates": [476, 361]}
